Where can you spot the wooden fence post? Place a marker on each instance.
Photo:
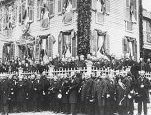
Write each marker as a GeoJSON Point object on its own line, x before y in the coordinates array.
{"type": "Point", "coordinates": [89, 67]}
{"type": "Point", "coordinates": [20, 70]}
{"type": "Point", "coordinates": [51, 70]}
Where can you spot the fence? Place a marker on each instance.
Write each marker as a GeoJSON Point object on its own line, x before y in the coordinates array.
{"type": "Point", "coordinates": [70, 71]}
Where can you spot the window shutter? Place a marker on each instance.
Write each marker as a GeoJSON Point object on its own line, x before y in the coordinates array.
{"type": "Point", "coordinates": [127, 14]}
{"type": "Point", "coordinates": [20, 14]}
{"type": "Point", "coordinates": [60, 44]}
{"type": "Point", "coordinates": [93, 4]}
{"type": "Point", "coordinates": [74, 44]}
{"type": "Point", "coordinates": [50, 46]}
{"type": "Point", "coordinates": [135, 9]}
{"type": "Point", "coordinates": [107, 6]}
{"type": "Point", "coordinates": [31, 13]}
{"type": "Point", "coordinates": [4, 54]}
{"type": "Point", "coordinates": [12, 53]}
{"type": "Point", "coordinates": [74, 4]}
{"type": "Point", "coordinates": [125, 45]}
{"type": "Point", "coordinates": [38, 9]}
{"type": "Point", "coordinates": [94, 42]}
{"type": "Point", "coordinates": [51, 7]}
{"type": "Point", "coordinates": [37, 49]}
{"type": "Point", "coordinates": [107, 44]}
{"type": "Point", "coordinates": [135, 49]}
{"type": "Point", "coordinates": [91, 42]}
{"type": "Point", "coordinates": [60, 6]}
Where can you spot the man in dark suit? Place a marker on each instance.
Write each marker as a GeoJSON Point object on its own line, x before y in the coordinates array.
{"type": "Point", "coordinates": [147, 66]}
{"type": "Point", "coordinates": [143, 85]}
{"type": "Point", "coordinates": [101, 88]}
{"type": "Point", "coordinates": [36, 93]}
{"type": "Point", "coordinates": [90, 95]}
{"type": "Point", "coordinates": [5, 92]}
{"type": "Point", "coordinates": [73, 93]}
{"type": "Point", "coordinates": [20, 95]}
{"type": "Point", "coordinates": [12, 93]}
{"type": "Point", "coordinates": [44, 83]}
{"type": "Point", "coordinates": [65, 95]}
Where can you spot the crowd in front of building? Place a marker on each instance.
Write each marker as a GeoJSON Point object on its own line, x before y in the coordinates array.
{"type": "Point", "coordinates": [95, 94]}
{"type": "Point", "coordinates": [100, 93]}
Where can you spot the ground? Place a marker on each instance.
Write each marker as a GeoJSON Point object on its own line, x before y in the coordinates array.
{"type": "Point", "coordinates": [51, 113]}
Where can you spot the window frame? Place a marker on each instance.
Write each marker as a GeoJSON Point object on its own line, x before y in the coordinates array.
{"type": "Point", "coordinates": [49, 3]}
{"type": "Point", "coordinates": [61, 6]}
{"type": "Point", "coordinates": [74, 8]}
{"type": "Point", "coordinates": [72, 48]}
{"type": "Point", "coordinates": [109, 4]}
{"type": "Point", "coordinates": [14, 14]}
{"type": "Point", "coordinates": [38, 10]}
{"type": "Point", "coordinates": [127, 27]}
{"type": "Point", "coordinates": [148, 32]}
{"type": "Point", "coordinates": [1, 19]}
{"type": "Point", "coordinates": [31, 16]}
{"type": "Point", "coordinates": [128, 17]}
{"type": "Point", "coordinates": [31, 11]}
{"type": "Point", "coordinates": [97, 18]}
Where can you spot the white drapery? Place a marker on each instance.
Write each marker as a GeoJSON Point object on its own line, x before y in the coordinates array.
{"type": "Point", "coordinates": [68, 43]}
{"type": "Point", "coordinates": [43, 46]}
{"type": "Point", "coordinates": [69, 7]}
{"type": "Point", "coordinates": [131, 49]}
{"type": "Point", "coordinates": [98, 6]}
{"type": "Point", "coordinates": [100, 45]}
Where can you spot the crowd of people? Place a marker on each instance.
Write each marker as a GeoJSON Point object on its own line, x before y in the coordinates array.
{"type": "Point", "coordinates": [96, 94]}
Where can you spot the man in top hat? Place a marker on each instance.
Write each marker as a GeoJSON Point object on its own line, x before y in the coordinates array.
{"type": "Point", "coordinates": [143, 85]}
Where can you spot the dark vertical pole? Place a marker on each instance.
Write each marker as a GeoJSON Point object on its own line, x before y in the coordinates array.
{"type": "Point", "coordinates": [141, 29]}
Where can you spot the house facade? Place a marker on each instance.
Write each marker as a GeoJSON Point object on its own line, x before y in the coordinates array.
{"type": "Point", "coordinates": [146, 34]}
{"type": "Point", "coordinates": [35, 28]}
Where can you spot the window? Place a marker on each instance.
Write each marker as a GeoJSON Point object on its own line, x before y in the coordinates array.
{"type": "Point", "coordinates": [4, 18]}
{"type": "Point", "coordinates": [51, 7]}
{"type": "Point", "coordinates": [148, 26]}
{"type": "Point", "coordinates": [31, 13]}
{"type": "Point", "coordinates": [22, 10]}
{"type": "Point", "coordinates": [131, 14]}
{"type": "Point", "coordinates": [101, 6]}
{"type": "Point", "coordinates": [99, 43]}
{"type": "Point", "coordinates": [130, 47]}
{"type": "Point", "coordinates": [37, 49]}
{"type": "Point", "coordinates": [60, 4]}
{"type": "Point", "coordinates": [74, 4]}
{"type": "Point", "coordinates": [148, 31]}
{"type": "Point", "coordinates": [129, 26]}
{"type": "Point", "coordinates": [134, 8]}
{"type": "Point", "coordinates": [14, 14]}
{"type": "Point", "coordinates": [107, 6]}
{"type": "Point", "coordinates": [1, 19]}
{"type": "Point", "coordinates": [49, 45]}
{"type": "Point", "coordinates": [67, 44]}
{"type": "Point", "coordinates": [31, 10]}
{"type": "Point", "coordinates": [99, 18]}
{"type": "Point", "coordinates": [38, 9]}
{"type": "Point", "coordinates": [66, 5]}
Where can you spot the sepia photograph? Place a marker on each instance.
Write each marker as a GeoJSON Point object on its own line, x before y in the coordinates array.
{"type": "Point", "coordinates": [75, 57]}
